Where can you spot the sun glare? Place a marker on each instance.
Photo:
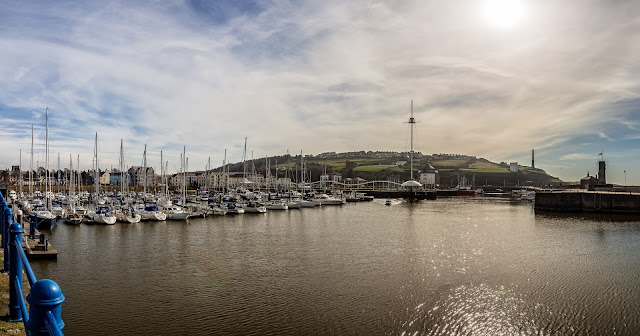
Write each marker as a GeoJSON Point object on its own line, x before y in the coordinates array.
{"type": "Point", "coordinates": [503, 13]}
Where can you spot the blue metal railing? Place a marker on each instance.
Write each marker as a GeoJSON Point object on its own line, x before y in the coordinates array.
{"type": "Point", "coordinates": [45, 297]}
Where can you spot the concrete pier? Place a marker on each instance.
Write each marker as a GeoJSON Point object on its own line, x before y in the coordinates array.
{"type": "Point", "coordinates": [38, 248]}
{"type": "Point", "coordinates": [418, 195]}
{"type": "Point", "coordinates": [592, 201]}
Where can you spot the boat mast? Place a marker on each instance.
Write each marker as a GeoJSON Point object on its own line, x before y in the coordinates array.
{"type": "Point", "coordinates": [96, 174]}
{"type": "Point", "coordinates": [71, 180]}
{"type": "Point", "coordinates": [20, 172]}
{"type": "Point", "coordinates": [253, 173]}
{"type": "Point", "coordinates": [267, 173]}
{"type": "Point", "coordinates": [79, 174]}
{"type": "Point", "coordinates": [412, 121]}
{"type": "Point", "coordinates": [121, 162]}
{"type": "Point", "coordinates": [186, 167]}
{"type": "Point", "coordinates": [58, 175]}
{"type": "Point", "coordinates": [244, 164]}
{"type": "Point", "coordinates": [184, 175]}
{"type": "Point", "coordinates": [225, 172]}
{"type": "Point", "coordinates": [46, 165]}
{"type": "Point", "coordinates": [144, 163]}
{"type": "Point", "coordinates": [31, 167]}
{"type": "Point", "coordinates": [207, 173]}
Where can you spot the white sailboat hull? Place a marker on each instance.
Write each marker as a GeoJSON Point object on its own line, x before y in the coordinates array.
{"type": "Point", "coordinates": [128, 218]}
{"type": "Point", "coordinates": [177, 216]}
{"type": "Point", "coordinates": [102, 219]}
{"type": "Point", "coordinates": [154, 216]}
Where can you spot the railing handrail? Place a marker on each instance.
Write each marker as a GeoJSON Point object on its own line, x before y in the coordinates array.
{"type": "Point", "coordinates": [45, 296]}
{"type": "Point", "coordinates": [26, 265]}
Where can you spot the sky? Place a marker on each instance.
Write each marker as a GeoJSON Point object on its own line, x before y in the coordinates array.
{"type": "Point", "coordinates": [489, 78]}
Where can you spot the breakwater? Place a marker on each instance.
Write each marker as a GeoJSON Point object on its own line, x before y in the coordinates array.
{"type": "Point", "coordinates": [593, 201]}
{"type": "Point", "coordinates": [418, 195]}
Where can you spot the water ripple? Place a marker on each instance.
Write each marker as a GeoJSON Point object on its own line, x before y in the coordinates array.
{"type": "Point", "coordinates": [461, 267]}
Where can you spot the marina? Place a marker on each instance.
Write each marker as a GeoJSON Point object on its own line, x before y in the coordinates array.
{"type": "Point", "coordinates": [260, 168]}
{"type": "Point", "coordinates": [459, 264]}
{"type": "Point", "coordinates": [454, 265]}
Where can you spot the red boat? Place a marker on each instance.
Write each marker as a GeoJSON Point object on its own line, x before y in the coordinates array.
{"type": "Point", "coordinates": [466, 192]}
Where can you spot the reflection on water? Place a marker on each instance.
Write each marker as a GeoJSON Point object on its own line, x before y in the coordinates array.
{"type": "Point", "coordinates": [468, 266]}
{"type": "Point", "coordinates": [591, 216]}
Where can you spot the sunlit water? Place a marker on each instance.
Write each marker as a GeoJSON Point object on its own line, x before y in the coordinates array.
{"type": "Point", "coordinates": [451, 266]}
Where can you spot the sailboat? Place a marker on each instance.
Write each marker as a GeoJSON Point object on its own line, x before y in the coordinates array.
{"type": "Point", "coordinates": [127, 215]}
{"type": "Point", "coordinates": [102, 214]}
{"type": "Point", "coordinates": [175, 211]}
{"type": "Point", "coordinates": [304, 202]}
{"type": "Point", "coordinates": [40, 214]}
{"type": "Point", "coordinates": [72, 217]}
{"type": "Point", "coordinates": [124, 213]}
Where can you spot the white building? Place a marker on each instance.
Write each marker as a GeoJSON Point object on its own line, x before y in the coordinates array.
{"type": "Point", "coordinates": [105, 177]}
{"type": "Point", "coordinates": [428, 177]}
{"type": "Point", "coordinates": [249, 181]}
{"type": "Point", "coordinates": [513, 167]}
{"type": "Point", "coordinates": [199, 179]}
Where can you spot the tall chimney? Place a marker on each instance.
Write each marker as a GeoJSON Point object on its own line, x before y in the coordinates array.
{"type": "Point", "coordinates": [533, 162]}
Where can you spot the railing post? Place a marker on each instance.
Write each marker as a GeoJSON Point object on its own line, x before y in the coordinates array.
{"type": "Point", "coordinates": [5, 236]}
{"type": "Point", "coordinates": [45, 297]}
{"type": "Point", "coordinates": [3, 204]}
{"type": "Point", "coordinates": [32, 227]}
{"type": "Point", "coordinates": [15, 272]}
{"type": "Point", "coordinates": [2, 219]}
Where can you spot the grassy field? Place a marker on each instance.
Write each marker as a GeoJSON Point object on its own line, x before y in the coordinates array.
{"type": "Point", "coordinates": [336, 164]}
{"type": "Point", "coordinates": [449, 163]}
{"type": "Point", "coordinates": [486, 170]}
{"type": "Point", "coordinates": [377, 169]}
{"type": "Point", "coordinates": [340, 164]}
{"type": "Point", "coordinates": [485, 167]}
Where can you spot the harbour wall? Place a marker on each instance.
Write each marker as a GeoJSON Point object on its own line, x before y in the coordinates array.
{"type": "Point", "coordinates": [592, 201]}
{"type": "Point", "coordinates": [427, 194]}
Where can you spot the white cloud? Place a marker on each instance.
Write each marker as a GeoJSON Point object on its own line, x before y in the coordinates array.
{"type": "Point", "coordinates": [578, 156]}
{"type": "Point", "coordinates": [602, 135]}
{"type": "Point", "coordinates": [323, 76]}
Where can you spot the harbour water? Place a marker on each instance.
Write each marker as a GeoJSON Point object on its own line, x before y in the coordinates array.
{"type": "Point", "coordinates": [468, 266]}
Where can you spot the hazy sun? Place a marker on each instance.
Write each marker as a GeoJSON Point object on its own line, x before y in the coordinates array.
{"type": "Point", "coordinates": [503, 13]}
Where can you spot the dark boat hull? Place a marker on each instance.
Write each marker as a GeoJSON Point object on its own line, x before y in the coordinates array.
{"type": "Point", "coordinates": [45, 224]}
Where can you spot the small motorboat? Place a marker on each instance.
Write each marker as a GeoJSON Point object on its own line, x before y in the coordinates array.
{"type": "Point", "coordinates": [73, 218]}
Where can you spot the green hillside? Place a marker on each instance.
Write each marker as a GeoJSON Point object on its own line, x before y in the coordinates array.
{"type": "Point", "coordinates": [392, 165]}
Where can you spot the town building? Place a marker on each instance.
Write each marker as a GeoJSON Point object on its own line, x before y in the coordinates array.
{"type": "Point", "coordinates": [105, 178]}
{"type": "Point", "coordinates": [137, 176]}
{"type": "Point", "coordinates": [588, 182]}
{"type": "Point", "coordinates": [115, 178]}
{"type": "Point", "coordinates": [428, 177]}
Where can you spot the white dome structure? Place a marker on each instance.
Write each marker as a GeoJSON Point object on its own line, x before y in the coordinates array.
{"type": "Point", "coordinates": [411, 184]}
